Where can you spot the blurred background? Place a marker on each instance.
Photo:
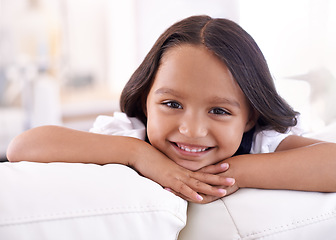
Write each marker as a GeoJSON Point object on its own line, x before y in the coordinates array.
{"type": "Point", "coordinates": [64, 62]}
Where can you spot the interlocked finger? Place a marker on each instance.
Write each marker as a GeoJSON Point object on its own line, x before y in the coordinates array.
{"type": "Point", "coordinates": [211, 179]}
{"type": "Point", "coordinates": [215, 169]}
{"type": "Point", "coordinates": [204, 188]}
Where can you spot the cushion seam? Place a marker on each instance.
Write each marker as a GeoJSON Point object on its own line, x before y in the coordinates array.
{"type": "Point", "coordinates": [232, 219]}
{"type": "Point", "coordinates": [291, 226]}
{"type": "Point", "coordinates": [83, 214]}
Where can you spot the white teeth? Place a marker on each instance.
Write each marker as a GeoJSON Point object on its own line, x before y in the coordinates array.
{"type": "Point", "coordinates": [193, 150]}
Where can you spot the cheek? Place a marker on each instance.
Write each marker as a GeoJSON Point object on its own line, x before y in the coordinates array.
{"type": "Point", "coordinates": [229, 138]}
{"type": "Point", "coordinates": [157, 128]}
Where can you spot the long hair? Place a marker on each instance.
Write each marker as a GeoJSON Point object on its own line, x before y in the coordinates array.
{"type": "Point", "coordinates": [235, 48]}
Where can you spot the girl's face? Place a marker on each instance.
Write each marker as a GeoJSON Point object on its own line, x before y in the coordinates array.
{"type": "Point", "coordinates": [196, 112]}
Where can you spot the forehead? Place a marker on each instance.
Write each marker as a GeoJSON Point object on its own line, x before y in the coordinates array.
{"type": "Point", "coordinates": [198, 70]}
{"type": "Point", "coordinates": [193, 60]}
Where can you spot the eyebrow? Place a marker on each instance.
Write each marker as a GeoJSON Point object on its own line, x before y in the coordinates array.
{"type": "Point", "coordinates": [218, 100]}
{"type": "Point", "coordinates": [167, 91]}
{"type": "Point", "coordinates": [214, 100]}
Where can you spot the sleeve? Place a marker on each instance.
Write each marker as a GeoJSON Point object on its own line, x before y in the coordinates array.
{"type": "Point", "coordinates": [267, 141]}
{"type": "Point", "coordinates": [119, 125]}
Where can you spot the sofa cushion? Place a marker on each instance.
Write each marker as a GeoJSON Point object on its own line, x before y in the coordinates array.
{"type": "Point", "coordinates": [263, 214]}
{"type": "Point", "coordinates": [85, 201]}
{"type": "Point", "coordinates": [266, 214]}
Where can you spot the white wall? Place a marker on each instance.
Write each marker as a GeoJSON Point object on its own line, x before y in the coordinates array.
{"type": "Point", "coordinates": [107, 40]}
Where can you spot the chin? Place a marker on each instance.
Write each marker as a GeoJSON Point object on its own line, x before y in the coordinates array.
{"type": "Point", "coordinates": [189, 165]}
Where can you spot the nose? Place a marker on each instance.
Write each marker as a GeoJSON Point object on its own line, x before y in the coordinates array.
{"type": "Point", "coordinates": [193, 127]}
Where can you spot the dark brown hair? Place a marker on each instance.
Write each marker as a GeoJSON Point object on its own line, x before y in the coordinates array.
{"type": "Point", "coordinates": [238, 51]}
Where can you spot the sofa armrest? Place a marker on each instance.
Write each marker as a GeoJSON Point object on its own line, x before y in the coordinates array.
{"type": "Point", "coordinates": [53, 201]}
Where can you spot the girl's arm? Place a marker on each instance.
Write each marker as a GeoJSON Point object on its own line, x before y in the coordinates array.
{"type": "Point", "coordinates": [297, 164]}
{"type": "Point", "coordinates": [58, 144]}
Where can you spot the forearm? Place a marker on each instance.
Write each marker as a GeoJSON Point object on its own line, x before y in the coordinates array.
{"type": "Point", "coordinates": [58, 144]}
{"type": "Point", "coordinates": [310, 168]}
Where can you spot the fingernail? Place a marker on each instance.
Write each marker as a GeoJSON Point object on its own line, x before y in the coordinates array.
{"type": "Point", "coordinates": [231, 180]}
{"type": "Point", "coordinates": [224, 165]}
{"type": "Point", "coordinates": [199, 197]}
{"type": "Point", "coordinates": [222, 191]}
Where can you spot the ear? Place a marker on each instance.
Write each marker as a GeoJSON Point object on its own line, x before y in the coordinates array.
{"type": "Point", "coordinates": [253, 118]}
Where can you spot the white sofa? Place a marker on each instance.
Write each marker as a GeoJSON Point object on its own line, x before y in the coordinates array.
{"type": "Point", "coordinates": [55, 201]}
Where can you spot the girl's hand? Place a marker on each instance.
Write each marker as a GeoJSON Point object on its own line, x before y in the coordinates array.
{"type": "Point", "coordinates": [198, 187]}
{"type": "Point", "coordinates": [212, 190]}
{"type": "Point", "coordinates": [221, 169]}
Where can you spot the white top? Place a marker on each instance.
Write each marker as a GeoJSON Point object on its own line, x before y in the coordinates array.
{"type": "Point", "coordinates": [263, 141]}
{"type": "Point", "coordinates": [267, 141]}
{"type": "Point", "coordinates": [119, 125]}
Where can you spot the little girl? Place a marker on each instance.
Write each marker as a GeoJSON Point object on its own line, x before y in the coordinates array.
{"type": "Point", "coordinates": [214, 121]}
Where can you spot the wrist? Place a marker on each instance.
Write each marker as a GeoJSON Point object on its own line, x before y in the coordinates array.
{"type": "Point", "coordinates": [255, 171]}
{"type": "Point", "coordinates": [139, 154]}
{"type": "Point", "coordinates": [134, 150]}
{"type": "Point", "coordinates": [239, 170]}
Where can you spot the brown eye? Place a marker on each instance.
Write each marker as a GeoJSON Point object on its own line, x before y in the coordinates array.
{"type": "Point", "coordinates": [219, 111]}
{"type": "Point", "coordinates": [172, 104]}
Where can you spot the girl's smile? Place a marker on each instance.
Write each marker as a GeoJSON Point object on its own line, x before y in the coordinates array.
{"type": "Point", "coordinates": [196, 112]}
{"type": "Point", "coordinates": [191, 148]}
